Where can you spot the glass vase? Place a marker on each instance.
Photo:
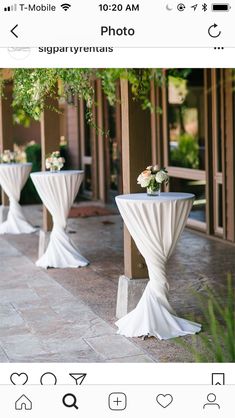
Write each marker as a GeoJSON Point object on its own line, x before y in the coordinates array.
{"type": "Point", "coordinates": [154, 191]}
{"type": "Point", "coordinates": [54, 169]}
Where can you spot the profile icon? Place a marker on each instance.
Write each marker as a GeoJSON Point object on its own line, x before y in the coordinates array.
{"type": "Point", "coordinates": [211, 401]}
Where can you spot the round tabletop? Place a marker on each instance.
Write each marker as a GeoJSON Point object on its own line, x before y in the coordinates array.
{"type": "Point", "coordinates": [143, 197]}
{"type": "Point", "coordinates": [57, 173]}
{"type": "Point", "coordinates": [15, 164]}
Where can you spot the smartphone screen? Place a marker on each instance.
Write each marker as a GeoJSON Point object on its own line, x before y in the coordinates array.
{"type": "Point", "coordinates": [117, 208]}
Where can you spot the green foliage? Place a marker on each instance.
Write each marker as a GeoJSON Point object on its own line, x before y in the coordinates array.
{"type": "Point", "coordinates": [65, 154]}
{"type": "Point", "coordinates": [217, 340]}
{"type": "Point", "coordinates": [1, 84]}
{"type": "Point", "coordinates": [33, 153]}
{"type": "Point", "coordinates": [29, 194]}
{"type": "Point", "coordinates": [180, 73]}
{"type": "Point", "coordinates": [139, 80]}
{"type": "Point", "coordinates": [21, 118]}
{"type": "Point", "coordinates": [109, 78]}
{"type": "Point", "coordinates": [33, 87]}
{"type": "Point", "coordinates": [30, 89]}
{"type": "Point", "coordinates": [77, 82]}
{"type": "Point", "coordinates": [187, 152]}
{"type": "Point", "coordinates": [153, 185]}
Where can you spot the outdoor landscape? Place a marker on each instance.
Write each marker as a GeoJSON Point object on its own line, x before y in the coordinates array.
{"type": "Point", "coordinates": [87, 276]}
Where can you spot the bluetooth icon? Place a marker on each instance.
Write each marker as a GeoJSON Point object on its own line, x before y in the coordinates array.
{"type": "Point", "coordinates": [204, 7]}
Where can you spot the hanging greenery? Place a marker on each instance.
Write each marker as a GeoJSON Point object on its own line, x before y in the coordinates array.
{"type": "Point", "coordinates": [33, 87]}
{"type": "Point", "coordinates": [1, 82]}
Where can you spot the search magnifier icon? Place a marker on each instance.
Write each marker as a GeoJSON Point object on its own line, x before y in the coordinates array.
{"type": "Point", "coordinates": [70, 401]}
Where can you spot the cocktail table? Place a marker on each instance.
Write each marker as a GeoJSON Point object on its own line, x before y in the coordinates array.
{"type": "Point", "coordinates": [155, 223]}
{"type": "Point", "coordinates": [58, 191]}
{"type": "Point", "coordinates": [13, 177]}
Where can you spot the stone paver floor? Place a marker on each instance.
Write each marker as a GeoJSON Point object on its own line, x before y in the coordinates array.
{"type": "Point", "coordinates": [40, 321]}
{"type": "Point", "coordinates": [68, 315]}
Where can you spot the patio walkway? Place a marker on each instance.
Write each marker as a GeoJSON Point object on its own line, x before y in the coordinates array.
{"type": "Point", "coordinates": [68, 315]}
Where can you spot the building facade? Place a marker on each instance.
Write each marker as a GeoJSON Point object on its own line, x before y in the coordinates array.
{"type": "Point", "coordinates": [190, 131]}
{"type": "Point", "coordinates": [192, 134]}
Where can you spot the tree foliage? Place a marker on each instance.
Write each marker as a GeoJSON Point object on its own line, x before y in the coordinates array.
{"type": "Point", "coordinates": [32, 87]}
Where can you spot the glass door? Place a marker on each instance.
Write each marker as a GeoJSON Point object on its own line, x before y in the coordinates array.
{"type": "Point", "coordinates": [218, 117]}
{"type": "Point", "coordinates": [185, 139]}
{"type": "Point", "coordinates": [193, 141]}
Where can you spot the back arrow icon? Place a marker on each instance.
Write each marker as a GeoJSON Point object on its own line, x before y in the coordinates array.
{"type": "Point", "coordinates": [210, 31]}
{"type": "Point", "coordinates": [12, 31]}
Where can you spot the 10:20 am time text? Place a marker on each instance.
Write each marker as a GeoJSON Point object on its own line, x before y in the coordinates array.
{"type": "Point", "coordinates": [119, 7]}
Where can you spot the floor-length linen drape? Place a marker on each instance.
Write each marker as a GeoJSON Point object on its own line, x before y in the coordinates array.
{"type": "Point", "coordinates": [58, 191]}
{"type": "Point", "coordinates": [155, 223]}
{"type": "Point", "coordinates": [12, 179]}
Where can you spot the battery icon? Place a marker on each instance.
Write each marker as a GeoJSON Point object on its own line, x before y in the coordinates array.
{"type": "Point", "coordinates": [221, 7]}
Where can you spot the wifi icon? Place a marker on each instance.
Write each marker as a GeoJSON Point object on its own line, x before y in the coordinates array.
{"type": "Point", "coordinates": [65, 6]}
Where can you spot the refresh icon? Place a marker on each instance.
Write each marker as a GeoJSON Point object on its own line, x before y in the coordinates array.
{"type": "Point", "coordinates": [214, 33]}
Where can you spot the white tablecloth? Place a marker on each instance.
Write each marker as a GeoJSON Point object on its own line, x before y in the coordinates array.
{"type": "Point", "coordinates": [58, 191]}
{"type": "Point", "coordinates": [155, 224]}
{"type": "Point", "coordinates": [12, 179]}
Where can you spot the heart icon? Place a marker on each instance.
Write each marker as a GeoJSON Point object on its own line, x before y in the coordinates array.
{"type": "Point", "coordinates": [164, 400]}
{"type": "Point", "coordinates": [19, 378]}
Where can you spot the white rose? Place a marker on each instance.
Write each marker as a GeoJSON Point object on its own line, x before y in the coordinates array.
{"type": "Point", "coordinates": [5, 158]}
{"type": "Point", "coordinates": [144, 178]}
{"type": "Point", "coordinates": [48, 164]}
{"type": "Point", "coordinates": [61, 160]}
{"type": "Point", "coordinates": [161, 176]}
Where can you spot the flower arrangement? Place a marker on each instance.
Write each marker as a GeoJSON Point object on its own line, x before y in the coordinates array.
{"type": "Point", "coordinates": [7, 157]}
{"type": "Point", "coordinates": [12, 157]}
{"type": "Point", "coordinates": [54, 161]}
{"type": "Point", "coordinates": [20, 154]}
{"type": "Point", "coordinates": [152, 178]}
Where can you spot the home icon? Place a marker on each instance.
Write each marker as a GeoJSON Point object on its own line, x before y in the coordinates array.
{"type": "Point", "coordinates": [23, 403]}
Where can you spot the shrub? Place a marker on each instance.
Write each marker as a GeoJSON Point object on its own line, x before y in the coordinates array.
{"type": "Point", "coordinates": [29, 194]}
{"type": "Point", "coordinates": [216, 342]}
{"type": "Point", "coordinates": [187, 152]}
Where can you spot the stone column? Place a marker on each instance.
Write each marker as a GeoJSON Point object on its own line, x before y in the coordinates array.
{"type": "Point", "coordinates": [50, 141]}
{"type": "Point", "coordinates": [136, 155]}
{"type": "Point", "coordinates": [6, 134]}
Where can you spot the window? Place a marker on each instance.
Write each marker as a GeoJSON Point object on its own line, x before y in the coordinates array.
{"type": "Point", "coordinates": [186, 127]}
{"type": "Point", "coordinates": [196, 187]}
